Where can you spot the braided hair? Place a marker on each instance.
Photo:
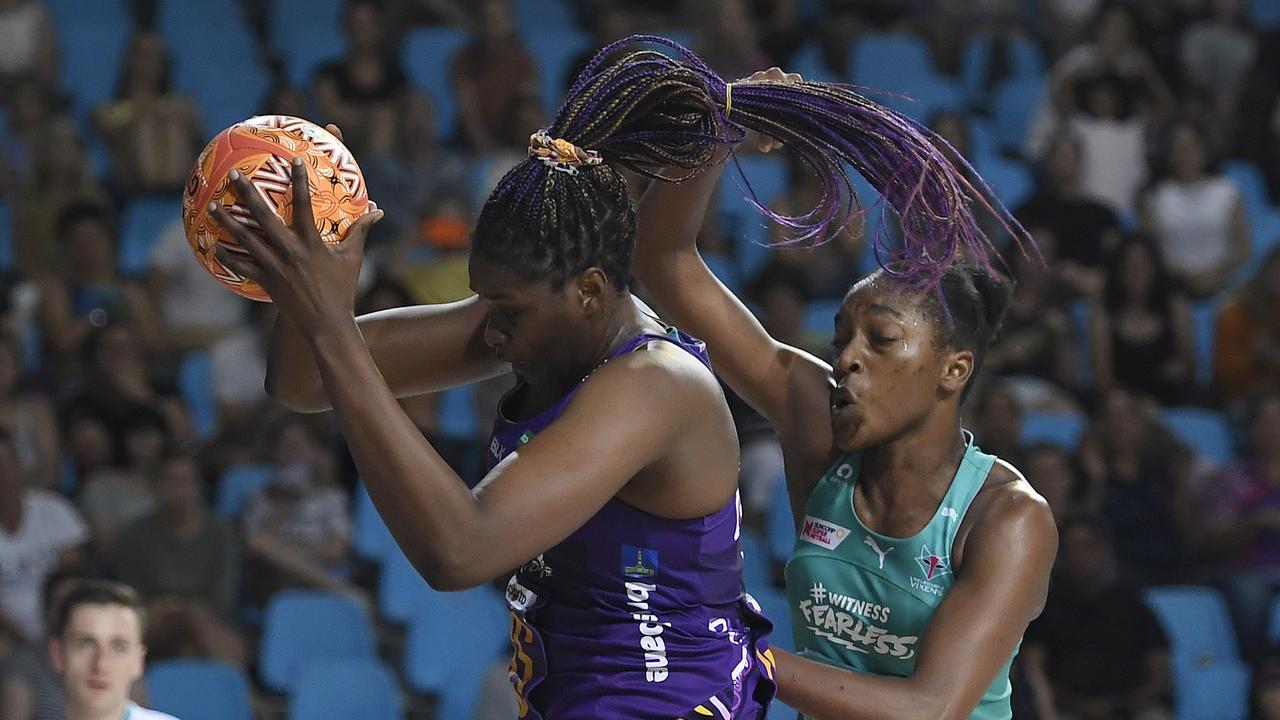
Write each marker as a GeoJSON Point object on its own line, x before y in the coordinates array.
{"type": "Point", "coordinates": [666, 117]}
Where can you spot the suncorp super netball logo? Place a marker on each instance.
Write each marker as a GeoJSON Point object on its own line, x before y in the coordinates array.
{"type": "Point", "coordinates": [822, 533]}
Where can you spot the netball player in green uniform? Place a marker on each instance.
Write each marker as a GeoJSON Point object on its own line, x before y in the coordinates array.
{"type": "Point", "coordinates": [920, 559]}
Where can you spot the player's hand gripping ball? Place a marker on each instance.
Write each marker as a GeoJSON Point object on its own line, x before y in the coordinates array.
{"type": "Point", "coordinates": [262, 148]}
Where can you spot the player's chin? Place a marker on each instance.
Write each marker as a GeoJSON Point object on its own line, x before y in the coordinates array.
{"type": "Point", "coordinates": [848, 429]}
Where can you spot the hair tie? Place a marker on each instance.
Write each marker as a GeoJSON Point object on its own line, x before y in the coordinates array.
{"type": "Point", "coordinates": [560, 154]}
{"type": "Point", "coordinates": [728, 99]}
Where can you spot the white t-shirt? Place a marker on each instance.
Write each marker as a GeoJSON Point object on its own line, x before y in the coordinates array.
{"type": "Point", "coordinates": [1193, 221]}
{"type": "Point", "coordinates": [50, 525]}
{"type": "Point", "coordinates": [192, 299]}
{"type": "Point", "coordinates": [135, 711]}
{"type": "Point", "coordinates": [1114, 160]}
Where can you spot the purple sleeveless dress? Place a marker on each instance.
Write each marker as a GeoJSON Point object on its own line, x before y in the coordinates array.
{"type": "Point", "coordinates": [636, 616]}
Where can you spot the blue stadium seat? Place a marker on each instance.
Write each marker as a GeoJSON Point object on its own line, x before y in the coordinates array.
{"type": "Point", "coordinates": [458, 413]}
{"type": "Point", "coordinates": [1028, 61]}
{"type": "Point", "coordinates": [1013, 106]}
{"type": "Point", "coordinates": [235, 486]}
{"type": "Point", "coordinates": [92, 35]}
{"type": "Point", "coordinates": [554, 50]}
{"type": "Point", "coordinates": [345, 688]}
{"type": "Point", "coordinates": [141, 222]}
{"type": "Point", "coordinates": [1204, 318]}
{"type": "Point", "coordinates": [1061, 429]}
{"type": "Point", "coordinates": [780, 524]}
{"type": "Point", "coordinates": [304, 625]}
{"type": "Point", "coordinates": [1253, 187]}
{"type": "Point", "coordinates": [982, 139]}
{"type": "Point", "coordinates": [370, 538]}
{"type": "Point", "coordinates": [402, 593]}
{"type": "Point", "coordinates": [1011, 180]}
{"type": "Point", "coordinates": [1265, 13]}
{"type": "Point", "coordinates": [195, 384]}
{"type": "Point", "coordinates": [901, 67]}
{"type": "Point", "coordinates": [1210, 681]}
{"type": "Point", "coordinates": [447, 653]}
{"type": "Point", "coordinates": [765, 179]}
{"type": "Point", "coordinates": [307, 34]}
{"type": "Point", "coordinates": [199, 690]}
{"type": "Point", "coordinates": [1207, 432]}
{"type": "Point", "coordinates": [6, 237]}
{"type": "Point", "coordinates": [427, 57]}
{"type": "Point", "coordinates": [536, 17]}
{"type": "Point", "coordinates": [215, 59]}
{"type": "Point", "coordinates": [778, 711]}
{"type": "Point", "coordinates": [809, 63]}
{"type": "Point", "coordinates": [820, 317]}
{"type": "Point", "coordinates": [725, 270]}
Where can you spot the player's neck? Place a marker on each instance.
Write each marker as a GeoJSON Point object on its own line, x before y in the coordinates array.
{"type": "Point", "coordinates": [116, 712]}
{"type": "Point", "coordinates": [918, 465]}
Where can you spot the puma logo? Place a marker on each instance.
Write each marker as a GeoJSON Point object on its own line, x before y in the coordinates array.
{"type": "Point", "coordinates": [871, 543]}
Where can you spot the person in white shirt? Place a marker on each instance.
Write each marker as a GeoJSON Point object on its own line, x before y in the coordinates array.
{"type": "Point", "coordinates": [96, 646]}
{"type": "Point", "coordinates": [40, 531]}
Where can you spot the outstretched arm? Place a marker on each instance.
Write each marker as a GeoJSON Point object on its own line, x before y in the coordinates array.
{"type": "Point", "coordinates": [790, 387]}
{"type": "Point", "coordinates": [1000, 588]}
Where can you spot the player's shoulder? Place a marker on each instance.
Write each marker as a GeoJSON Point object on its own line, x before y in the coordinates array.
{"type": "Point", "coordinates": [1008, 498]}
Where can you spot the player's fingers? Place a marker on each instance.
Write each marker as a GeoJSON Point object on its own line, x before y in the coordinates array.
{"type": "Point", "coordinates": [304, 223]}
{"type": "Point", "coordinates": [359, 232]}
{"type": "Point", "coordinates": [248, 196]}
{"type": "Point", "coordinates": [335, 131]}
{"type": "Point", "coordinates": [239, 262]}
{"type": "Point", "coordinates": [245, 236]}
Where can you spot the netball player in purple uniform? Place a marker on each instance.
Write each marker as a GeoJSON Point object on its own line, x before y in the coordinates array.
{"type": "Point", "coordinates": [614, 463]}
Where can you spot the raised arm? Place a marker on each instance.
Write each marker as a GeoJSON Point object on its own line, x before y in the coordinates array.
{"type": "Point", "coordinates": [417, 350]}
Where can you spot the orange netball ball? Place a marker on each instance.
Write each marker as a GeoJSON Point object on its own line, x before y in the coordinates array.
{"type": "Point", "coordinates": [262, 148]}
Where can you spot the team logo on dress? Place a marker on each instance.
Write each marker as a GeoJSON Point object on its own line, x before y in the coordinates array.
{"type": "Point", "coordinates": [537, 566]}
{"type": "Point", "coordinates": [525, 437]}
{"type": "Point", "coordinates": [932, 565]}
{"type": "Point", "coordinates": [638, 562]}
{"type": "Point", "coordinates": [822, 533]}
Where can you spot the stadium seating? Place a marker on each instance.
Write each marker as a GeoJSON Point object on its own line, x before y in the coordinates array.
{"type": "Point", "coordinates": [1207, 432]}
{"type": "Point", "coordinates": [447, 652]}
{"type": "Point", "coordinates": [402, 593]}
{"type": "Point", "coordinates": [427, 57]}
{"type": "Point", "coordinates": [345, 688]}
{"type": "Point", "coordinates": [199, 690]}
{"type": "Point", "coordinates": [304, 625]}
{"type": "Point", "coordinates": [195, 384]}
{"type": "Point", "coordinates": [235, 486]}
{"type": "Point", "coordinates": [370, 538]}
{"type": "Point", "coordinates": [141, 222]}
{"type": "Point", "coordinates": [763, 178]}
{"type": "Point", "coordinates": [780, 524]}
{"type": "Point", "coordinates": [1210, 682]}
{"type": "Point", "coordinates": [306, 34]}
{"type": "Point", "coordinates": [1014, 104]}
{"type": "Point", "coordinates": [1061, 429]}
{"type": "Point", "coordinates": [1028, 62]}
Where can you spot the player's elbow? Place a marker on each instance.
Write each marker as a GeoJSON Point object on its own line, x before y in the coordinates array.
{"type": "Point", "coordinates": [292, 397]}
{"type": "Point", "coordinates": [451, 573]}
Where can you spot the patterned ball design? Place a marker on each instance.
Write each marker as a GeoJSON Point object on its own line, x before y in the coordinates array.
{"type": "Point", "coordinates": [262, 148]}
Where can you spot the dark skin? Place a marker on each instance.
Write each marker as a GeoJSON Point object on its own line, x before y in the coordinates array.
{"type": "Point", "coordinates": [894, 394]}
{"type": "Point", "coordinates": [672, 453]}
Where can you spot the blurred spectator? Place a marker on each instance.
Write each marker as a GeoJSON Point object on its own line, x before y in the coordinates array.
{"type": "Point", "coordinates": [406, 13]}
{"type": "Point", "coordinates": [29, 686]}
{"type": "Point", "coordinates": [1158, 28]}
{"type": "Point", "coordinates": [364, 92]}
{"type": "Point", "coordinates": [1265, 693]}
{"type": "Point", "coordinates": [117, 385]}
{"type": "Point", "coordinates": [1246, 352]}
{"type": "Point", "coordinates": [1035, 352]}
{"type": "Point", "coordinates": [28, 417]}
{"type": "Point", "coordinates": [431, 257]}
{"type": "Point", "coordinates": [1217, 51]}
{"type": "Point", "coordinates": [39, 532]}
{"type": "Point", "coordinates": [62, 185]}
{"type": "Point", "coordinates": [1257, 128]}
{"type": "Point", "coordinates": [117, 496]}
{"type": "Point", "coordinates": [1136, 480]}
{"type": "Point", "coordinates": [195, 309]}
{"type": "Point", "coordinates": [183, 561]}
{"type": "Point", "coordinates": [238, 364]}
{"type": "Point", "coordinates": [727, 38]}
{"type": "Point", "coordinates": [1112, 128]}
{"type": "Point", "coordinates": [1194, 213]}
{"type": "Point", "coordinates": [1084, 230]}
{"type": "Point", "coordinates": [31, 109]}
{"type": "Point", "coordinates": [1049, 470]}
{"type": "Point", "coordinates": [28, 46]}
{"type": "Point", "coordinates": [180, 550]}
{"type": "Point", "coordinates": [151, 132]}
{"type": "Point", "coordinates": [1111, 50]}
{"type": "Point", "coordinates": [89, 446]}
{"type": "Point", "coordinates": [1240, 508]}
{"type": "Point", "coordinates": [489, 74]}
{"type": "Point", "coordinates": [1102, 649]}
{"type": "Point", "coordinates": [92, 294]}
{"type": "Point", "coordinates": [608, 20]}
{"type": "Point", "coordinates": [297, 529]}
{"type": "Point", "coordinates": [1141, 329]}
